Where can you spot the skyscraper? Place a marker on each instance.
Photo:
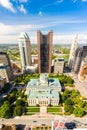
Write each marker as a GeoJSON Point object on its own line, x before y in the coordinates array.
{"type": "Point", "coordinates": [5, 67]}
{"type": "Point", "coordinates": [72, 51]}
{"type": "Point", "coordinates": [25, 50]}
{"type": "Point", "coordinates": [80, 55]}
{"type": "Point", "coordinates": [44, 51]}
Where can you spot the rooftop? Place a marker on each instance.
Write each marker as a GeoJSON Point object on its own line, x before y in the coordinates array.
{"type": "Point", "coordinates": [24, 35]}
{"type": "Point", "coordinates": [52, 83]}
{"type": "Point", "coordinates": [43, 88]}
{"type": "Point", "coordinates": [44, 94]}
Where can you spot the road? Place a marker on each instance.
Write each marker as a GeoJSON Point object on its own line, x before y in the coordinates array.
{"type": "Point", "coordinates": [38, 120]}
{"type": "Point", "coordinates": [27, 121]}
{"type": "Point", "coordinates": [5, 94]}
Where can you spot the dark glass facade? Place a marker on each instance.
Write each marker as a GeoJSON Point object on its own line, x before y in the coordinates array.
{"type": "Point", "coordinates": [44, 51]}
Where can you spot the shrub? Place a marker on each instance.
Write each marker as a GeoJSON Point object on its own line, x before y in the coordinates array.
{"type": "Point", "coordinates": [79, 112]}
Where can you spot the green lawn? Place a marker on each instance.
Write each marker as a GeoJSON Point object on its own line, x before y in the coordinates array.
{"type": "Point", "coordinates": [54, 109]}
{"type": "Point", "coordinates": [30, 113]}
{"type": "Point", "coordinates": [33, 109]}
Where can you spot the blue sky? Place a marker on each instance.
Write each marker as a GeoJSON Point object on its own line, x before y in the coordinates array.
{"type": "Point", "coordinates": [65, 17]}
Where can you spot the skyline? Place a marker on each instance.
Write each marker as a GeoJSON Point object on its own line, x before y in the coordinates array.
{"type": "Point", "coordinates": [65, 19]}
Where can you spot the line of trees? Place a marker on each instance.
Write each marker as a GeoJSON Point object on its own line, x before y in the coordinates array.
{"type": "Point", "coordinates": [14, 104]}
{"type": "Point", "coordinates": [73, 103]}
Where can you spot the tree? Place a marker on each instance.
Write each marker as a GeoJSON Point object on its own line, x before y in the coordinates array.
{"type": "Point", "coordinates": [82, 104]}
{"type": "Point", "coordinates": [6, 87]}
{"type": "Point", "coordinates": [68, 102]}
{"type": "Point", "coordinates": [68, 109]}
{"type": "Point", "coordinates": [20, 94]}
{"type": "Point", "coordinates": [75, 93]}
{"type": "Point", "coordinates": [5, 110]}
{"type": "Point", "coordinates": [76, 100]}
{"type": "Point", "coordinates": [64, 97]}
{"type": "Point", "coordinates": [85, 107]}
{"type": "Point", "coordinates": [67, 92]}
{"type": "Point", "coordinates": [18, 111]}
{"type": "Point", "coordinates": [19, 103]}
{"type": "Point", "coordinates": [79, 112]}
{"type": "Point", "coordinates": [11, 97]}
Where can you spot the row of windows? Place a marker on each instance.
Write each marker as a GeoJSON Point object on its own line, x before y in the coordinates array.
{"type": "Point", "coordinates": [32, 101]}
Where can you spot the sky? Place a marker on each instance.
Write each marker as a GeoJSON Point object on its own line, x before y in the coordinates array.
{"type": "Point", "coordinates": [65, 17]}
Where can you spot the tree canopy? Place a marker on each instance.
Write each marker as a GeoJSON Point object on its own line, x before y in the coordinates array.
{"type": "Point", "coordinates": [5, 111]}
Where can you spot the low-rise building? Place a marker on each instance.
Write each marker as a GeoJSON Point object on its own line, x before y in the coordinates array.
{"type": "Point", "coordinates": [43, 91]}
{"type": "Point", "coordinates": [32, 69]}
{"type": "Point", "coordinates": [59, 65]}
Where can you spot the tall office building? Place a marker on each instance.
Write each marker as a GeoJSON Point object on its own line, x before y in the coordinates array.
{"type": "Point", "coordinates": [80, 55]}
{"type": "Point", "coordinates": [72, 51]}
{"type": "Point", "coordinates": [44, 51]}
{"type": "Point", "coordinates": [25, 50]}
{"type": "Point", "coordinates": [5, 67]}
{"type": "Point", "coordinates": [82, 76]}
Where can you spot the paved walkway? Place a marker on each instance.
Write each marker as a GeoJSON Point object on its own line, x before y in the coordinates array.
{"type": "Point", "coordinates": [80, 86]}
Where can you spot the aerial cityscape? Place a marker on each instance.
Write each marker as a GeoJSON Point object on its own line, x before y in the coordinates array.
{"type": "Point", "coordinates": [43, 65]}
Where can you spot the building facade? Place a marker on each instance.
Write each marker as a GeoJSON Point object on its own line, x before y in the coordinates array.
{"type": "Point", "coordinates": [59, 65]}
{"type": "Point", "coordinates": [72, 51]}
{"type": "Point", "coordinates": [5, 67]}
{"type": "Point", "coordinates": [25, 50]}
{"type": "Point", "coordinates": [80, 55]}
{"type": "Point", "coordinates": [43, 91]}
{"type": "Point", "coordinates": [82, 76]}
{"type": "Point", "coordinates": [44, 51]}
{"type": "Point", "coordinates": [2, 82]}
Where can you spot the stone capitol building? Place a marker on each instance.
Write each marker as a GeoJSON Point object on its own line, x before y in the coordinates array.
{"type": "Point", "coordinates": [43, 91]}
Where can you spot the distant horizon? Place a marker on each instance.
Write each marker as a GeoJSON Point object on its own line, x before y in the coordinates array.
{"type": "Point", "coordinates": [13, 44]}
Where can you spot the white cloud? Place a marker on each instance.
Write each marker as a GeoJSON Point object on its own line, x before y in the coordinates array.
{"type": "Point", "coordinates": [10, 33]}
{"type": "Point", "coordinates": [84, 0]}
{"type": "Point", "coordinates": [40, 13]}
{"type": "Point", "coordinates": [74, 1]}
{"type": "Point", "coordinates": [7, 4]}
{"type": "Point", "coordinates": [23, 1]}
{"type": "Point", "coordinates": [15, 29]}
{"type": "Point", "coordinates": [68, 38]}
{"type": "Point", "coordinates": [60, 1]}
{"type": "Point", "coordinates": [22, 9]}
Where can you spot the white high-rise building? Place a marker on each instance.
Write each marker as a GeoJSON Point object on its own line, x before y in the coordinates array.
{"type": "Point", "coordinates": [25, 50]}
{"type": "Point", "coordinates": [74, 46]}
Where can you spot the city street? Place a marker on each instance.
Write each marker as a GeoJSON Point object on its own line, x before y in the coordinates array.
{"type": "Point", "coordinates": [80, 86]}
{"type": "Point", "coordinates": [27, 121]}
{"type": "Point", "coordinates": [38, 120]}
